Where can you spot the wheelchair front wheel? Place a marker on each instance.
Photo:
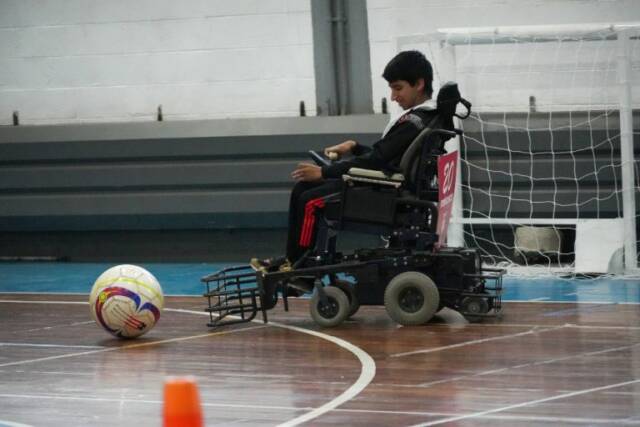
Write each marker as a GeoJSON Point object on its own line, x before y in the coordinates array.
{"type": "Point", "coordinates": [334, 311]}
{"type": "Point", "coordinates": [347, 288]}
{"type": "Point", "coordinates": [411, 298]}
{"type": "Point", "coordinates": [473, 308]}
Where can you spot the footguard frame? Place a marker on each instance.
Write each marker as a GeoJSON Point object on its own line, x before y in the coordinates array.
{"type": "Point", "coordinates": [234, 291]}
{"type": "Point", "coordinates": [491, 279]}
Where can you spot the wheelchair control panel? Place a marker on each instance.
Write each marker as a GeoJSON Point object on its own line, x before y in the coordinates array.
{"type": "Point", "coordinates": [320, 159]}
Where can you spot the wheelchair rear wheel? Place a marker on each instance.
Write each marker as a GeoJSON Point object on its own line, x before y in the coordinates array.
{"type": "Point", "coordinates": [411, 298]}
{"type": "Point", "coordinates": [334, 311]}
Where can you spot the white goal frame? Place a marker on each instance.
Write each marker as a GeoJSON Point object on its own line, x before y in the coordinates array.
{"type": "Point", "coordinates": [447, 38]}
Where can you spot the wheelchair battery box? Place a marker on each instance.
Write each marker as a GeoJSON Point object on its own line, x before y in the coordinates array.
{"type": "Point", "coordinates": [366, 204]}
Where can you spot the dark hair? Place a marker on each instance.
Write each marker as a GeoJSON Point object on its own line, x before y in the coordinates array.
{"type": "Point", "coordinates": [410, 66]}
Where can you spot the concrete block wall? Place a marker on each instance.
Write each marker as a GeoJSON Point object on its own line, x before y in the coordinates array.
{"type": "Point", "coordinates": [198, 174]}
{"type": "Point", "coordinates": [502, 77]}
{"type": "Point", "coordinates": [93, 61]}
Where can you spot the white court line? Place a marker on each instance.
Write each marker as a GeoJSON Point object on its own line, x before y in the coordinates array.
{"type": "Point", "coordinates": [4, 423]}
{"type": "Point", "coordinates": [561, 420]}
{"type": "Point", "coordinates": [480, 341]}
{"type": "Point", "coordinates": [536, 300]}
{"type": "Point", "coordinates": [21, 344]}
{"type": "Point", "coordinates": [367, 373]}
{"type": "Point", "coordinates": [66, 373]}
{"type": "Point", "coordinates": [124, 347]}
{"type": "Point", "coordinates": [13, 301]}
{"type": "Point", "coordinates": [46, 328]}
{"type": "Point", "coordinates": [42, 293]}
{"type": "Point", "coordinates": [526, 365]}
{"type": "Point", "coordinates": [523, 404]}
{"type": "Point", "coordinates": [533, 325]}
{"type": "Point", "coordinates": [152, 401]}
{"type": "Point", "coordinates": [539, 299]}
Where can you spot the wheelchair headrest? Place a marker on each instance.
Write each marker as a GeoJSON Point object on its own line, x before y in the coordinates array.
{"type": "Point", "coordinates": [448, 99]}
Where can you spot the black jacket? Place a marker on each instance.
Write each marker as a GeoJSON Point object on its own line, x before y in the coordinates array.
{"type": "Point", "coordinates": [387, 152]}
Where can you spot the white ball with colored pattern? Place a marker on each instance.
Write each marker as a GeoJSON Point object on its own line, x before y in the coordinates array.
{"type": "Point", "coordinates": [126, 301]}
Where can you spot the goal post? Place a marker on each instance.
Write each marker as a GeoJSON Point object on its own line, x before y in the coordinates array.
{"type": "Point", "coordinates": [626, 149]}
{"type": "Point", "coordinates": [550, 143]}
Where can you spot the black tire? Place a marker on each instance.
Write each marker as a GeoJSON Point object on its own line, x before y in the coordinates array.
{"type": "Point", "coordinates": [333, 313]}
{"type": "Point", "coordinates": [473, 307]}
{"type": "Point", "coordinates": [347, 288]}
{"type": "Point", "coordinates": [411, 298]}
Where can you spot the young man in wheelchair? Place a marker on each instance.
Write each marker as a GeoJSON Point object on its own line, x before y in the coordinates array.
{"type": "Point", "coordinates": [410, 78]}
{"type": "Point", "coordinates": [392, 190]}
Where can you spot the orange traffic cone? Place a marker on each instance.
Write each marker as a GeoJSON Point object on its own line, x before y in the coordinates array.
{"type": "Point", "coordinates": [181, 403]}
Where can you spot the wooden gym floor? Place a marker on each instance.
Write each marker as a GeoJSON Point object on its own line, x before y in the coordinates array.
{"type": "Point", "coordinates": [540, 364]}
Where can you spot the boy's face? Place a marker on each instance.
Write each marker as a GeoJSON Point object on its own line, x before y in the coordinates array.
{"type": "Point", "coordinates": [406, 95]}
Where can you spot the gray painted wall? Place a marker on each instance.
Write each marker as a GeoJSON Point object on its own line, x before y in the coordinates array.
{"type": "Point", "coordinates": [219, 189]}
{"type": "Point", "coordinates": [235, 173]}
{"type": "Point", "coordinates": [179, 175]}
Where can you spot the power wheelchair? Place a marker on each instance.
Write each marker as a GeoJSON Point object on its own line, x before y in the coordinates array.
{"type": "Point", "coordinates": [412, 275]}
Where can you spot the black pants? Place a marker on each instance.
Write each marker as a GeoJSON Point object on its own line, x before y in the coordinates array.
{"type": "Point", "coordinates": [304, 198]}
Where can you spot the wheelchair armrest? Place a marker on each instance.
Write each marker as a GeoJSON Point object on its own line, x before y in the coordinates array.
{"type": "Point", "coordinates": [375, 174]}
{"type": "Point", "coordinates": [374, 177]}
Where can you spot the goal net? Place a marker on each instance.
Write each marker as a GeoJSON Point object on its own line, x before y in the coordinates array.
{"type": "Point", "coordinates": [548, 182]}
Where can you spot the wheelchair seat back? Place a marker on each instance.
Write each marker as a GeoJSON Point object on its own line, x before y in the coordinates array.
{"type": "Point", "coordinates": [392, 204]}
{"type": "Point", "coordinates": [419, 162]}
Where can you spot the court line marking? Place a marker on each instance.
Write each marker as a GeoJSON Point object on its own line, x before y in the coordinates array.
{"type": "Point", "coordinates": [21, 344]}
{"type": "Point", "coordinates": [45, 328]}
{"type": "Point", "coordinates": [129, 400]}
{"type": "Point", "coordinates": [523, 404]}
{"type": "Point", "coordinates": [22, 371]}
{"type": "Point", "coordinates": [577, 310]}
{"type": "Point", "coordinates": [15, 301]}
{"type": "Point", "coordinates": [126, 347]}
{"type": "Point", "coordinates": [526, 365]}
{"type": "Point", "coordinates": [534, 330]}
{"type": "Point", "coordinates": [503, 417]}
{"type": "Point", "coordinates": [367, 372]}
{"type": "Point", "coordinates": [198, 295]}
{"type": "Point", "coordinates": [533, 325]}
{"type": "Point", "coordinates": [4, 423]}
{"type": "Point", "coordinates": [323, 409]}
{"type": "Point", "coordinates": [347, 395]}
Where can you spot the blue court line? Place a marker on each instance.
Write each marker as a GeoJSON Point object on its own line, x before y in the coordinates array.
{"type": "Point", "coordinates": [184, 279]}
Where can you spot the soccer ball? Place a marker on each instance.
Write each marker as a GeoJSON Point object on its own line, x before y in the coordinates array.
{"type": "Point", "coordinates": [126, 300]}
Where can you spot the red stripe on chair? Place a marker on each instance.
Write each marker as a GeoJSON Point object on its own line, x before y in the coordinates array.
{"type": "Point", "coordinates": [309, 221]}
